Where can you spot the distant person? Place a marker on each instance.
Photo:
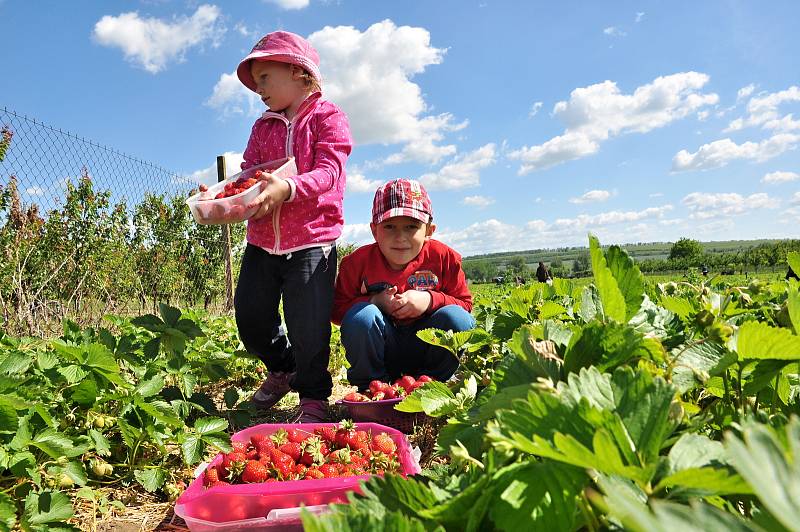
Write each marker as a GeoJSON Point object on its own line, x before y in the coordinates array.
{"type": "Point", "coordinates": [543, 273]}
{"type": "Point", "coordinates": [791, 275]}
{"type": "Point", "coordinates": [291, 240]}
{"type": "Point", "coordinates": [401, 284]}
{"type": "Point", "coordinates": [704, 270]}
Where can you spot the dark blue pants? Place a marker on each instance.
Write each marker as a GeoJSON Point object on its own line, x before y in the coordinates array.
{"type": "Point", "coordinates": [305, 280]}
{"type": "Point", "coordinates": [378, 349]}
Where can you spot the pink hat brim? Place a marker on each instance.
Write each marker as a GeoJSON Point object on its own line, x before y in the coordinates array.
{"type": "Point", "coordinates": [243, 70]}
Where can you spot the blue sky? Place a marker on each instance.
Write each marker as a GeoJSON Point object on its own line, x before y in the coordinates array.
{"type": "Point", "coordinates": [531, 123]}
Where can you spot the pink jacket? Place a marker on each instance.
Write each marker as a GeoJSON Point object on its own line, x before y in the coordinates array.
{"type": "Point", "coordinates": [319, 139]}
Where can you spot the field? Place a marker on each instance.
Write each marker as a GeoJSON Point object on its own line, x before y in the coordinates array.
{"type": "Point", "coordinates": [612, 401]}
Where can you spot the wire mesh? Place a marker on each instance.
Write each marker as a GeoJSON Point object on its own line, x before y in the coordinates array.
{"type": "Point", "coordinates": [87, 230]}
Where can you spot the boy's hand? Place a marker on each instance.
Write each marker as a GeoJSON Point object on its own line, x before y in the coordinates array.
{"type": "Point", "coordinates": [386, 300]}
{"type": "Point", "coordinates": [411, 304]}
{"type": "Point", "coordinates": [274, 191]}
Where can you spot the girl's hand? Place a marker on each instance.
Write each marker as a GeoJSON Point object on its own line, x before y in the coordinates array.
{"type": "Point", "coordinates": [274, 191]}
{"type": "Point", "coordinates": [411, 304]}
{"type": "Point", "coordinates": [386, 301]}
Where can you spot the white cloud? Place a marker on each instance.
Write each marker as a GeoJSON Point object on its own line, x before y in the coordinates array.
{"type": "Point", "coordinates": [614, 31]}
{"type": "Point", "coordinates": [232, 98]}
{"type": "Point", "coordinates": [535, 109]}
{"type": "Point", "coordinates": [245, 31]}
{"type": "Point", "coordinates": [594, 114]}
{"type": "Point", "coordinates": [720, 152]}
{"type": "Point", "coordinates": [763, 111]}
{"type": "Point", "coordinates": [656, 194]}
{"type": "Point", "coordinates": [585, 221]}
{"type": "Point", "coordinates": [208, 176]}
{"type": "Point", "coordinates": [714, 205]}
{"type": "Point", "coordinates": [745, 92]}
{"type": "Point", "coordinates": [780, 177]}
{"type": "Point", "coordinates": [639, 16]}
{"type": "Point", "coordinates": [35, 191]}
{"type": "Point", "coordinates": [359, 234]}
{"type": "Point", "coordinates": [463, 171]}
{"type": "Point", "coordinates": [289, 4]}
{"type": "Point", "coordinates": [795, 199]}
{"type": "Point", "coordinates": [153, 43]}
{"type": "Point", "coordinates": [357, 183]}
{"type": "Point", "coordinates": [593, 196]}
{"type": "Point", "coordinates": [478, 201]}
{"type": "Point", "coordinates": [369, 75]}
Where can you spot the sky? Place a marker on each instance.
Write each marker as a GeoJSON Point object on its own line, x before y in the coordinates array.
{"type": "Point", "coordinates": [531, 123]}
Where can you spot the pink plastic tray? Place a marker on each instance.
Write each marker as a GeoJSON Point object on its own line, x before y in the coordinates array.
{"type": "Point", "coordinates": [276, 504]}
{"type": "Point", "coordinates": [383, 412]}
{"type": "Point", "coordinates": [234, 209]}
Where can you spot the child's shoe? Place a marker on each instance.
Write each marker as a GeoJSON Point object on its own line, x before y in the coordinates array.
{"type": "Point", "coordinates": [272, 390]}
{"type": "Point", "coordinates": [313, 411]}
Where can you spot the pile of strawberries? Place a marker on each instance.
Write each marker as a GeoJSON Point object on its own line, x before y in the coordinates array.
{"type": "Point", "coordinates": [379, 390]}
{"type": "Point", "coordinates": [234, 187]}
{"type": "Point", "coordinates": [296, 454]}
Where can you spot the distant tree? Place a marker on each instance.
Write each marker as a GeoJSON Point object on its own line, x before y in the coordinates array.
{"type": "Point", "coordinates": [685, 248]}
{"type": "Point", "coordinates": [517, 266]}
{"type": "Point", "coordinates": [582, 262]}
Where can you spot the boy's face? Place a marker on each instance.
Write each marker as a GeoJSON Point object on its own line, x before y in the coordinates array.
{"type": "Point", "coordinates": [400, 239]}
{"type": "Point", "coordinates": [278, 84]}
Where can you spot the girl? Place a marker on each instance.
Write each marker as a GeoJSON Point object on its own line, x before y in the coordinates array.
{"type": "Point", "coordinates": [291, 240]}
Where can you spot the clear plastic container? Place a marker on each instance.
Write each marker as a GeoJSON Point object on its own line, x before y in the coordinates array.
{"type": "Point", "coordinates": [275, 505]}
{"type": "Point", "coordinates": [234, 209]}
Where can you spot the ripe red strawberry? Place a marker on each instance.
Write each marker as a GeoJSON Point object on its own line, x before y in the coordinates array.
{"type": "Point", "coordinates": [356, 397]}
{"type": "Point", "coordinates": [300, 470]}
{"type": "Point", "coordinates": [389, 393]}
{"type": "Point", "coordinates": [313, 473]}
{"type": "Point", "coordinates": [297, 436]}
{"type": "Point", "coordinates": [314, 451]}
{"type": "Point", "coordinates": [280, 437]}
{"type": "Point", "coordinates": [254, 471]}
{"type": "Point", "coordinates": [252, 454]}
{"type": "Point", "coordinates": [424, 378]}
{"type": "Point", "coordinates": [327, 433]}
{"type": "Point", "coordinates": [258, 174]}
{"type": "Point", "coordinates": [375, 386]}
{"type": "Point", "coordinates": [406, 381]}
{"type": "Point", "coordinates": [211, 476]}
{"type": "Point", "coordinates": [218, 484]}
{"type": "Point", "coordinates": [263, 447]}
{"type": "Point", "coordinates": [329, 471]}
{"type": "Point", "coordinates": [344, 433]}
{"type": "Point", "coordinates": [255, 439]}
{"type": "Point", "coordinates": [378, 396]}
{"type": "Point", "coordinates": [340, 456]}
{"type": "Point", "coordinates": [295, 450]}
{"type": "Point", "coordinates": [383, 443]}
{"type": "Point", "coordinates": [239, 446]}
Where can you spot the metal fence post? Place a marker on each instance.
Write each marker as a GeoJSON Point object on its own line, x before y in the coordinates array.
{"type": "Point", "coordinates": [226, 243]}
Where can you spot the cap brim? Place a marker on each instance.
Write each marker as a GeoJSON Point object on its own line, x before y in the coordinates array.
{"type": "Point", "coordinates": [246, 77]}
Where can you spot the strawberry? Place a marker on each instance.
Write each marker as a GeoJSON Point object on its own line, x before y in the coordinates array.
{"type": "Point", "coordinates": [341, 456]}
{"type": "Point", "coordinates": [383, 443]}
{"type": "Point", "coordinates": [211, 476]}
{"type": "Point", "coordinates": [282, 464]}
{"type": "Point", "coordinates": [239, 446]}
{"type": "Point", "coordinates": [378, 396]}
{"type": "Point", "coordinates": [258, 174]}
{"type": "Point", "coordinates": [424, 378]}
{"type": "Point", "coordinates": [356, 397]}
{"type": "Point", "coordinates": [263, 448]}
{"type": "Point", "coordinates": [300, 470]}
{"type": "Point", "coordinates": [344, 433]}
{"type": "Point", "coordinates": [255, 471]}
{"type": "Point", "coordinates": [328, 434]}
{"type": "Point", "coordinates": [313, 473]}
{"type": "Point", "coordinates": [314, 451]}
{"type": "Point", "coordinates": [297, 436]}
{"type": "Point", "coordinates": [375, 386]}
{"type": "Point", "coordinates": [218, 484]}
{"type": "Point", "coordinates": [389, 393]}
{"type": "Point", "coordinates": [295, 450]}
{"type": "Point", "coordinates": [255, 439]}
{"type": "Point", "coordinates": [280, 437]}
{"type": "Point", "coordinates": [406, 381]}
{"type": "Point", "coordinates": [329, 471]}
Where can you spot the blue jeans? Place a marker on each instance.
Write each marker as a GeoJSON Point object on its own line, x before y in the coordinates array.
{"type": "Point", "coordinates": [377, 348]}
{"type": "Point", "coordinates": [304, 280]}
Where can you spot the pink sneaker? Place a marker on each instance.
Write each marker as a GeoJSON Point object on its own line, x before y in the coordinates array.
{"type": "Point", "coordinates": [313, 411]}
{"type": "Point", "coordinates": [272, 390]}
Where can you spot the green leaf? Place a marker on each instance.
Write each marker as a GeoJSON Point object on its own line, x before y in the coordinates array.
{"type": "Point", "coordinates": [793, 306]}
{"type": "Point", "coordinates": [793, 259]}
{"type": "Point", "coordinates": [9, 420]}
{"type": "Point", "coordinates": [151, 479]}
{"type": "Point", "coordinates": [101, 443]}
{"type": "Point", "coordinates": [614, 304]}
{"type": "Point", "coordinates": [591, 306]}
{"type": "Point", "coordinates": [189, 328]}
{"type": "Point", "coordinates": [757, 340]}
{"type": "Point", "coordinates": [85, 393]}
{"type": "Point", "coordinates": [150, 387]}
{"type": "Point", "coordinates": [55, 444]}
{"type": "Point", "coordinates": [628, 277]}
{"type": "Point", "coordinates": [434, 398]}
{"type": "Point", "coordinates": [46, 507]}
{"type": "Point", "coordinates": [150, 322]}
{"type": "Point", "coordinates": [231, 397]}
{"type": "Point", "coordinates": [770, 463]}
{"type": "Point", "coordinates": [15, 363]}
{"type": "Point", "coordinates": [607, 346]}
{"type": "Point", "coordinates": [73, 373]}
{"type": "Point", "coordinates": [192, 449]}
{"type": "Point", "coordinates": [540, 356]}
{"type": "Point", "coordinates": [680, 306]}
{"type": "Point", "coordinates": [8, 513]}
{"type": "Point", "coordinates": [693, 364]}
{"type": "Point", "coordinates": [221, 442]}
{"type": "Point", "coordinates": [551, 309]}
{"type": "Point", "coordinates": [207, 425]}
{"type": "Point", "coordinates": [171, 315]}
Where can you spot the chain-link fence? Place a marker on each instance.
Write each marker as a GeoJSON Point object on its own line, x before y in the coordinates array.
{"type": "Point", "coordinates": [86, 230]}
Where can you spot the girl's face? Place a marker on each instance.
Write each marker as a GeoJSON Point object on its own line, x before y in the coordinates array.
{"type": "Point", "coordinates": [400, 239]}
{"type": "Point", "coordinates": [280, 85]}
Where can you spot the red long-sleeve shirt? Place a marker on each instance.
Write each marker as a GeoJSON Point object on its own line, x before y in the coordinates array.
{"type": "Point", "coordinates": [436, 269]}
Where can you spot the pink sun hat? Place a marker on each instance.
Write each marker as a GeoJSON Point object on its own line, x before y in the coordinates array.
{"type": "Point", "coordinates": [282, 46]}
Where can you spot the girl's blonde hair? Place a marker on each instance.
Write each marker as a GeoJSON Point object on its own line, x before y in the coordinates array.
{"type": "Point", "coordinates": [309, 80]}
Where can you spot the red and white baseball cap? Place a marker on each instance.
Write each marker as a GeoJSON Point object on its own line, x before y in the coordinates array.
{"type": "Point", "coordinates": [402, 197]}
{"type": "Point", "coordinates": [282, 46]}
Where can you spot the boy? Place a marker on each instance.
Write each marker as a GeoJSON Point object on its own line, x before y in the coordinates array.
{"type": "Point", "coordinates": [404, 282]}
